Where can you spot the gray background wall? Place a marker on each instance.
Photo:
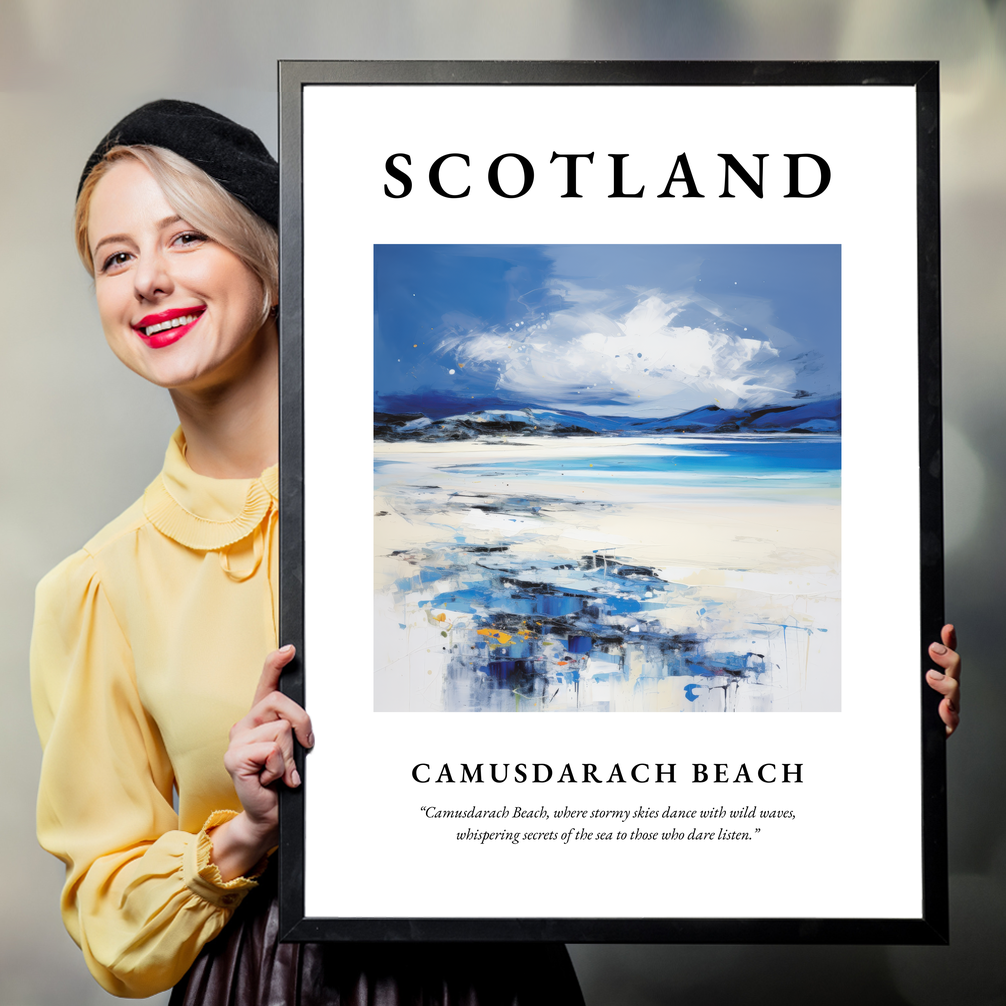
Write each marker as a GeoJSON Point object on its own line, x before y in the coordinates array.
{"type": "Point", "coordinates": [82, 436]}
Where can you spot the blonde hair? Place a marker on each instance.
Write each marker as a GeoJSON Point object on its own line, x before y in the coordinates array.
{"type": "Point", "coordinates": [199, 200]}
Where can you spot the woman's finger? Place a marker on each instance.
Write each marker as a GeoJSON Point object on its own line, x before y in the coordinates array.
{"type": "Point", "coordinates": [278, 732]}
{"type": "Point", "coordinates": [273, 766]}
{"type": "Point", "coordinates": [948, 659]}
{"type": "Point", "coordinates": [945, 685]}
{"type": "Point", "coordinates": [277, 706]}
{"type": "Point", "coordinates": [950, 689]}
{"type": "Point", "coordinates": [271, 671]}
{"type": "Point", "coordinates": [950, 716]}
{"type": "Point", "coordinates": [949, 636]}
{"type": "Point", "coordinates": [259, 760]}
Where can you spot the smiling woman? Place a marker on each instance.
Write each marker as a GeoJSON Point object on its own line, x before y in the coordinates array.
{"type": "Point", "coordinates": [148, 642]}
{"type": "Point", "coordinates": [157, 278]}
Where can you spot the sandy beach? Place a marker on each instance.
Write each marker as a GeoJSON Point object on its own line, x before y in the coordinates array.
{"type": "Point", "coordinates": [714, 597]}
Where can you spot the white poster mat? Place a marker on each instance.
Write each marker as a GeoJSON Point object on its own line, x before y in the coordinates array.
{"type": "Point", "coordinates": [852, 849]}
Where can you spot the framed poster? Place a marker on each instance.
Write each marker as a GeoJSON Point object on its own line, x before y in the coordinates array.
{"type": "Point", "coordinates": [611, 501]}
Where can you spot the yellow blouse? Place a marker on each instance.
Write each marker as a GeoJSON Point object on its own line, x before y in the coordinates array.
{"type": "Point", "coordinates": [147, 647]}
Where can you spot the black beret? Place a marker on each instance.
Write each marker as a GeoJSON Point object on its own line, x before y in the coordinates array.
{"type": "Point", "coordinates": [231, 154]}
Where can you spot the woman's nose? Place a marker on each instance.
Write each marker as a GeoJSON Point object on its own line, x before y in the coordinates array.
{"type": "Point", "coordinates": [152, 277]}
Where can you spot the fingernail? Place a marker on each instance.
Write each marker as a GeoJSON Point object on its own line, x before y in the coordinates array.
{"type": "Point", "coordinates": [286, 649]}
{"type": "Point", "coordinates": [310, 740]}
{"type": "Point", "coordinates": [295, 777]}
{"type": "Point", "coordinates": [938, 648]}
{"type": "Point", "coordinates": [936, 675]}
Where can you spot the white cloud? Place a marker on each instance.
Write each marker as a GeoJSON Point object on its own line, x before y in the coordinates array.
{"type": "Point", "coordinates": [632, 348]}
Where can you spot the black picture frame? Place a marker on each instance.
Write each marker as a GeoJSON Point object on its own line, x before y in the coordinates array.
{"type": "Point", "coordinates": [932, 926]}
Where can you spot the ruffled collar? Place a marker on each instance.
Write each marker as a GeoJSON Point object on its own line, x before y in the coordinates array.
{"type": "Point", "coordinates": [203, 513]}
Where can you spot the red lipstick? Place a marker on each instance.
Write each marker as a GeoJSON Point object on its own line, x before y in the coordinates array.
{"type": "Point", "coordinates": [165, 333]}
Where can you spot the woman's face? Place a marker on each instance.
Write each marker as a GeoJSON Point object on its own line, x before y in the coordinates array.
{"type": "Point", "coordinates": [177, 308]}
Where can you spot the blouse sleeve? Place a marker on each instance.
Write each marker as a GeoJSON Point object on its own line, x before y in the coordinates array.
{"type": "Point", "coordinates": [141, 898]}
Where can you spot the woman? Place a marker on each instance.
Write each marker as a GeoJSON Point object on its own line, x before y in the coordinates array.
{"type": "Point", "coordinates": [148, 643]}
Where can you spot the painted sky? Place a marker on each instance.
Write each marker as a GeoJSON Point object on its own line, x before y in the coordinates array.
{"type": "Point", "coordinates": [631, 330]}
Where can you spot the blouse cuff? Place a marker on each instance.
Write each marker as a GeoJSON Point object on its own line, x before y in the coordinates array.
{"type": "Point", "coordinates": [202, 876]}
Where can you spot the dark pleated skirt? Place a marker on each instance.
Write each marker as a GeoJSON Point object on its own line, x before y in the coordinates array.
{"type": "Point", "coordinates": [246, 965]}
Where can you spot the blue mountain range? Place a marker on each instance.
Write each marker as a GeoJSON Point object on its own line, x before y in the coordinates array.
{"type": "Point", "coordinates": [822, 415]}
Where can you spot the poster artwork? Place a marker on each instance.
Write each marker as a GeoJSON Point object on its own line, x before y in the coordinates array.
{"type": "Point", "coordinates": [607, 477]}
{"type": "Point", "coordinates": [619, 385]}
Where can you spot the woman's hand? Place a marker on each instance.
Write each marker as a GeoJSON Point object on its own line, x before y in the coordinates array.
{"type": "Point", "coordinates": [948, 681]}
{"type": "Point", "coordinates": [260, 753]}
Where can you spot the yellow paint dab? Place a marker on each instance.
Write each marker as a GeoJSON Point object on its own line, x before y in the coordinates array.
{"type": "Point", "coordinates": [503, 637]}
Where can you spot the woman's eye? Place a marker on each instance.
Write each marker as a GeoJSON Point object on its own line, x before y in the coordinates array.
{"type": "Point", "coordinates": [114, 261]}
{"type": "Point", "coordinates": [190, 238]}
